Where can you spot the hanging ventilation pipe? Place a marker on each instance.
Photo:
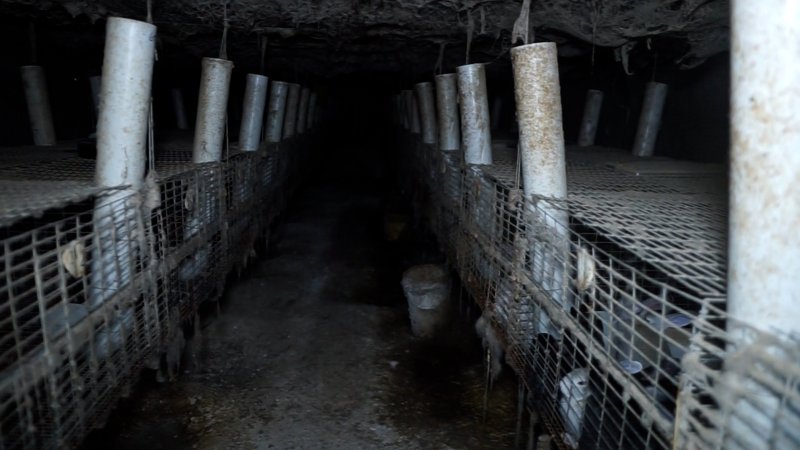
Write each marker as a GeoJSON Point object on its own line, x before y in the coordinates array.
{"type": "Point", "coordinates": [121, 150]}
{"type": "Point", "coordinates": [35, 87]}
{"type": "Point", "coordinates": [541, 145]}
{"type": "Point", "coordinates": [292, 104]}
{"type": "Point", "coordinates": [255, 97]}
{"type": "Point", "coordinates": [178, 107]}
{"type": "Point", "coordinates": [764, 245]}
{"type": "Point", "coordinates": [427, 110]}
{"type": "Point", "coordinates": [650, 119]}
{"type": "Point", "coordinates": [212, 107]}
{"type": "Point", "coordinates": [475, 133]}
{"type": "Point", "coordinates": [276, 110]}
{"type": "Point", "coordinates": [302, 110]}
{"type": "Point", "coordinates": [591, 116]}
{"type": "Point", "coordinates": [447, 106]}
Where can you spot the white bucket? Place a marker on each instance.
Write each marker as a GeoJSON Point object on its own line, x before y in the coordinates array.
{"type": "Point", "coordinates": [427, 289]}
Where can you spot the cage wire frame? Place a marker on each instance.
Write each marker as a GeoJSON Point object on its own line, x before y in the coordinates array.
{"type": "Point", "coordinates": [611, 303]}
{"type": "Point", "coordinates": [96, 282]}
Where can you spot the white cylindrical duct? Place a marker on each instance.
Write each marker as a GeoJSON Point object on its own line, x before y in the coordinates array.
{"type": "Point", "coordinates": [302, 110]}
{"type": "Point", "coordinates": [212, 108]}
{"type": "Point", "coordinates": [255, 98]}
{"type": "Point", "coordinates": [94, 88]}
{"type": "Point", "coordinates": [121, 151]}
{"type": "Point", "coordinates": [543, 161]}
{"type": "Point", "coordinates": [292, 104]}
{"type": "Point", "coordinates": [541, 133]}
{"type": "Point", "coordinates": [125, 102]}
{"type": "Point", "coordinates": [764, 244]}
{"type": "Point", "coordinates": [38, 101]}
{"type": "Point", "coordinates": [276, 110]}
{"type": "Point", "coordinates": [447, 106]}
{"type": "Point", "coordinates": [427, 111]}
{"type": "Point", "coordinates": [476, 136]}
{"type": "Point", "coordinates": [650, 119]}
{"type": "Point", "coordinates": [179, 109]}
{"type": "Point", "coordinates": [312, 110]}
{"type": "Point", "coordinates": [591, 116]}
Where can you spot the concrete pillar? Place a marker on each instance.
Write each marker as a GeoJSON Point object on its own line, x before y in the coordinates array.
{"type": "Point", "coordinates": [255, 97]}
{"type": "Point", "coordinates": [276, 110]}
{"type": "Point", "coordinates": [427, 111]}
{"type": "Point", "coordinates": [650, 119]}
{"type": "Point", "coordinates": [591, 116]}
{"type": "Point", "coordinates": [38, 101]}
{"type": "Point", "coordinates": [475, 133]}
{"type": "Point", "coordinates": [212, 108]}
{"type": "Point", "coordinates": [447, 106]}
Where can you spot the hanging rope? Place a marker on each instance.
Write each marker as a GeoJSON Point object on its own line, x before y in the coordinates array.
{"type": "Point", "coordinates": [470, 30]}
{"type": "Point", "coordinates": [263, 41]}
{"type": "Point", "coordinates": [521, 25]}
{"type": "Point", "coordinates": [595, 14]}
{"type": "Point", "coordinates": [151, 141]}
{"type": "Point", "coordinates": [437, 69]}
{"type": "Point", "coordinates": [223, 46]}
{"type": "Point", "coordinates": [32, 41]}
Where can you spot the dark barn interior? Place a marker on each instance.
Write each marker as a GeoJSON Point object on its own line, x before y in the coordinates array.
{"type": "Point", "coordinates": [424, 224]}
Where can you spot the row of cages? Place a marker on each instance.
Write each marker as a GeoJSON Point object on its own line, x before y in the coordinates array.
{"type": "Point", "coordinates": [100, 286]}
{"type": "Point", "coordinates": [617, 345]}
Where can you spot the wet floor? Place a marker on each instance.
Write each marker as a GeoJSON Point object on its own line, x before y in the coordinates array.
{"type": "Point", "coordinates": [313, 349]}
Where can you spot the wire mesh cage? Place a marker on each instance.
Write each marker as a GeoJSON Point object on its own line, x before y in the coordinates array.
{"type": "Point", "coordinates": [97, 281]}
{"type": "Point", "coordinates": [608, 301]}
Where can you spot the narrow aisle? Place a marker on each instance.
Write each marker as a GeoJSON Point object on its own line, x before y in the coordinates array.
{"type": "Point", "coordinates": [313, 350]}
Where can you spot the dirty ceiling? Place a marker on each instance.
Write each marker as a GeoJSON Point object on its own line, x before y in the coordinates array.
{"type": "Point", "coordinates": [325, 37]}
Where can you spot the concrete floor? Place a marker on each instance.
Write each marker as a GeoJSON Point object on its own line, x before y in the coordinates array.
{"type": "Point", "coordinates": [313, 350]}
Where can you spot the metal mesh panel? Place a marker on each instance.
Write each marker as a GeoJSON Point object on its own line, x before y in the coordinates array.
{"type": "Point", "coordinates": [599, 297]}
{"type": "Point", "coordinates": [96, 281]}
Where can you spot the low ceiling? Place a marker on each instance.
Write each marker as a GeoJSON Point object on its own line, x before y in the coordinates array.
{"type": "Point", "coordinates": [329, 37]}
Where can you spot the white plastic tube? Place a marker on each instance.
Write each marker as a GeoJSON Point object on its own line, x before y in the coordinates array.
{"type": "Point", "coordinates": [121, 150]}
{"type": "Point", "coordinates": [650, 119]}
{"type": "Point", "coordinates": [35, 86]}
{"type": "Point", "coordinates": [302, 110]}
{"type": "Point", "coordinates": [591, 116]}
{"type": "Point", "coordinates": [276, 110]}
{"type": "Point", "coordinates": [476, 136]}
{"type": "Point", "coordinates": [764, 244]}
{"type": "Point", "coordinates": [179, 109]}
{"type": "Point", "coordinates": [447, 107]}
{"type": "Point", "coordinates": [292, 105]}
{"type": "Point", "coordinates": [212, 108]}
{"type": "Point", "coordinates": [541, 144]}
{"type": "Point", "coordinates": [255, 98]}
{"type": "Point", "coordinates": [427, 111]}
